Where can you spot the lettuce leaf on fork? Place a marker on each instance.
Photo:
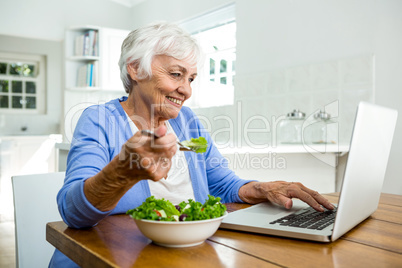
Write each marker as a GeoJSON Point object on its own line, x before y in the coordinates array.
{"type": "Point", "coordinates": [198, 145]}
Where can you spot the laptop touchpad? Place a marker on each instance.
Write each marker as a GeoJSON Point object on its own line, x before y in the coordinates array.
{"type": "Point", "coordinates": [266, 208]}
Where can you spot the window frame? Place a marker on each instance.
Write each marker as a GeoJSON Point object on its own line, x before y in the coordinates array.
{"type": "Point", "coordinates": [203, 85]}
{"type": "Point", "coordinates": [39, 61]}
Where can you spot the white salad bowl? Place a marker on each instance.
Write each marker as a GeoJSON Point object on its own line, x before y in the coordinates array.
{"type": "Point", "coordinates": [179, 233]}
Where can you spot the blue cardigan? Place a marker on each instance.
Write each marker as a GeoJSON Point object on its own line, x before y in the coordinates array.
{"type": "Point", "coordinates": [100, 133]}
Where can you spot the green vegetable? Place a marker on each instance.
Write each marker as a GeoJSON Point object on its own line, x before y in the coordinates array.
{"type": "Point", "coordinates": [212, 208]}
{"type": "Point", "coordinates": [150, 210]}
{"type": "Point", "coordinates": [199, 145]}
{"type": "Point", "coordinates": [189, 211]}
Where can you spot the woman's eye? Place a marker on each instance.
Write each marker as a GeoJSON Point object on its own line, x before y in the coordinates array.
{"type": "Point", "coordinates": [176, 74]}
{"type": "Point", "coordinates": [191, 80]}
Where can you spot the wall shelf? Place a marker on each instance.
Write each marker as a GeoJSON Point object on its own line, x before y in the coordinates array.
{"type": "Point", "coordinates": [92, 74]}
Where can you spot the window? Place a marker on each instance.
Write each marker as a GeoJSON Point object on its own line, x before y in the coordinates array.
{"type": "Point", "coordinates": [216, 33]}
{"type": "Point", "coordinates": [22, 83]}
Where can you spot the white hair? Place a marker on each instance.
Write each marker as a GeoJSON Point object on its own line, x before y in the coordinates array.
{"type": "Point", "coordinates": [161, 38]}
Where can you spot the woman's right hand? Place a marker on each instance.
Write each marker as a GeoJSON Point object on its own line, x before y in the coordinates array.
{"type": "Point", "coordinates": [141, 158]}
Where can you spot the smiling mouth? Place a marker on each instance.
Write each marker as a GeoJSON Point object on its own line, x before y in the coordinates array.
{"type": "Point", "coordinates": [179, 102]}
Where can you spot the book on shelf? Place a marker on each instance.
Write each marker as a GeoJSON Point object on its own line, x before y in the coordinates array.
{"type": "Point", "coordinates": [88, 75]}
{"type": "Point", "coordinates": [86, 44]}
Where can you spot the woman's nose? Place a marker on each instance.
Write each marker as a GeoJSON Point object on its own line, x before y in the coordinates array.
{"type": "Point", "coordinates": [185, 89]}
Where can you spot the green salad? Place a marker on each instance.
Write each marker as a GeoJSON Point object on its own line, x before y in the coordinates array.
{"type": "Point", "coordinates": [198, 145]}
{"type": "Point", "coordinates": [164, 210]}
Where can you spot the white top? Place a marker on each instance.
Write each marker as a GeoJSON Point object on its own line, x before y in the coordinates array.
{"type": "Point", "coordinates": [177, 187]}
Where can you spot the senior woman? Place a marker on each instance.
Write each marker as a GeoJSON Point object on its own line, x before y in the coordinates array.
{"type": "Point", "coordinates": [112, 167]}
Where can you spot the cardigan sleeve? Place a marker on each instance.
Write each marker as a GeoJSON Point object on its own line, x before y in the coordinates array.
{"type": "Point", "coordinates": [222, 180]}
{"type": "Point", "coordinates": [88, 154]}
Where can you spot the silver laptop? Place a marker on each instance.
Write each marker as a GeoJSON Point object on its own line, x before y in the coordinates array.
{"type": "Point", "coordinates": [360, 193]}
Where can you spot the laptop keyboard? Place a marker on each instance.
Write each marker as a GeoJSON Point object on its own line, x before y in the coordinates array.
{"type": "Point", "coordinates": [309, 218]}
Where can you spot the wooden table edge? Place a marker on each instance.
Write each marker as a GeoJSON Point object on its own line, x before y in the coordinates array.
{"type": "Point", "coordinates": [66, 244]}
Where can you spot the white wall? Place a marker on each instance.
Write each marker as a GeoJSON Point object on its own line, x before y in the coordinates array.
{"type": "Point", "coordinates": [48, 19]}
{"type": "Point", "coordinates": [277, 34]}
{"type": "Point", "coordinates": [174, 11]}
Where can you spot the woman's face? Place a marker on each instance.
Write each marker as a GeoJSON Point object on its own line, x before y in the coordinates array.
{"type": "Point", "coordinates": [168, 88]}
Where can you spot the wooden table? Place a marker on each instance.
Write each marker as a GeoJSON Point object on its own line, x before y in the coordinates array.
{"type": "Point", "coordinates": [116, 242]}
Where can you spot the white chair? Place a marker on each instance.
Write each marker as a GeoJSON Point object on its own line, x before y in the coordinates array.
{"type": "Point", "coordinates": [34, 206]}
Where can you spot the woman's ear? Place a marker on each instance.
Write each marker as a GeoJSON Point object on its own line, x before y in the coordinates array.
{"type": "Point", "coordinates": [132, 70]}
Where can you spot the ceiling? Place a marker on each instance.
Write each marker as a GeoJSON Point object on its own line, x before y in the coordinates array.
{"type": "Point", "coordinates": [128, 3]}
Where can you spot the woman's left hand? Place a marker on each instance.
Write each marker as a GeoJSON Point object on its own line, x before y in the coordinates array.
{"type": "Point", "coordinates": [281, 193]}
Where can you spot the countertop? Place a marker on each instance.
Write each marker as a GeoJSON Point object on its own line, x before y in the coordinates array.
{"type": "Point", "coordinates": [56, 137]}
{"type": "Point", "coordinates": [287, 148]}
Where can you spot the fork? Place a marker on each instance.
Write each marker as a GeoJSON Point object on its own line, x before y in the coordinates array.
{"type": "Point", "coordinates": [151, 134]}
